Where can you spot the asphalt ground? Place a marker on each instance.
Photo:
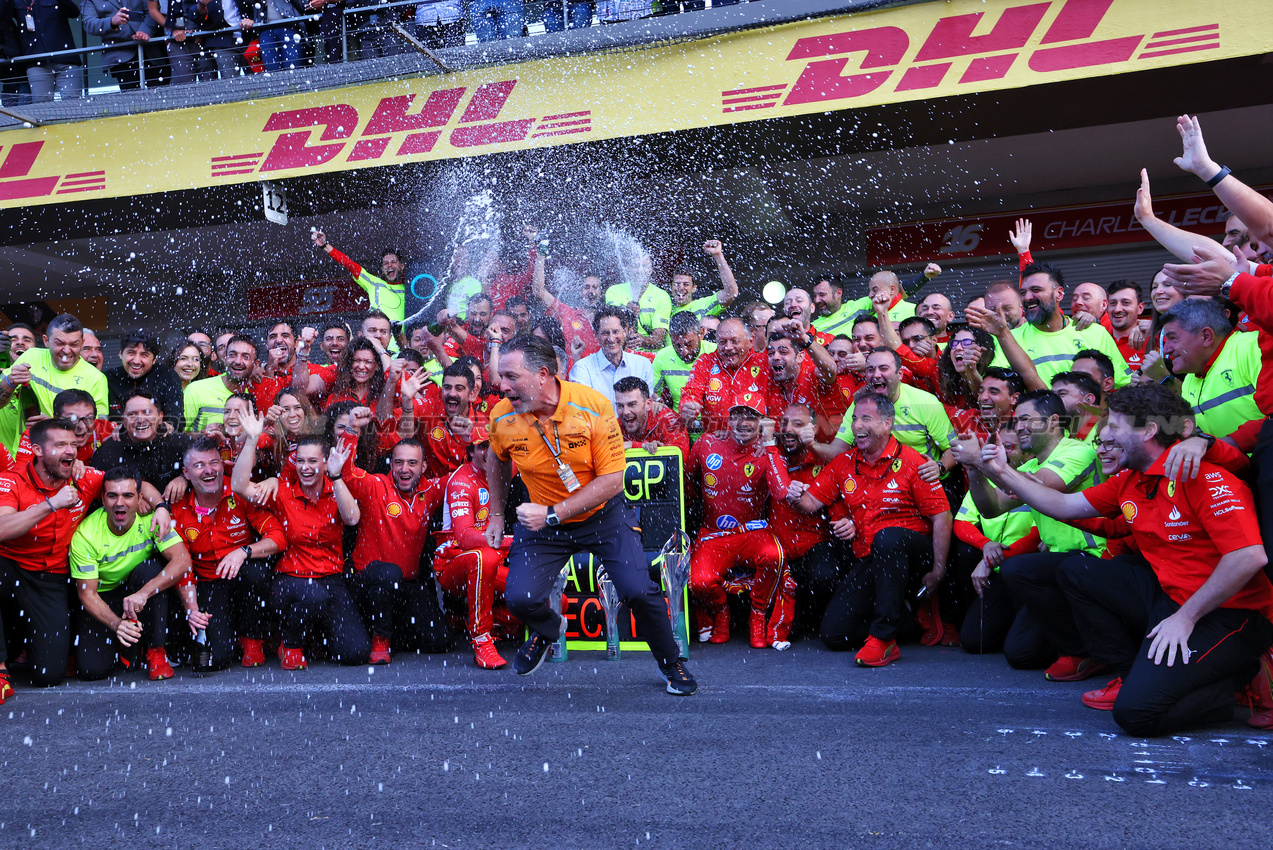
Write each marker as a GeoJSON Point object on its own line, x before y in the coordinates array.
{"type": "Point", "coordinates": [799, 748]}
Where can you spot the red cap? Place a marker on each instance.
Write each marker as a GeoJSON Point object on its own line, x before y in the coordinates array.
{"type": "Point", "coordinates": [751, 400]}
{"type": "Point", "coordinates": [480, 434]}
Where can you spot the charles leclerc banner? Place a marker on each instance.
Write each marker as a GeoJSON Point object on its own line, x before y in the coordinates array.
{"type": "Point", "coordinates": [892, 55]}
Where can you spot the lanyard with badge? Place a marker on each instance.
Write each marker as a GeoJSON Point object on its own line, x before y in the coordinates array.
{"type": "Point", "coordinates": [30, 20]}
{"type": "Point", "coordinates": [564, 472]}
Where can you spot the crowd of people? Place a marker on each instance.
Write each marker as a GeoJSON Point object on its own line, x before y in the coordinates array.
{"type": "Point", "coordinates": [1066, 482]}
{"type": "Point", "coordinates": [211, 39]}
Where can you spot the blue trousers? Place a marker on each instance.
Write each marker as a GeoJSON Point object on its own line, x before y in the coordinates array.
{"type": "Point", "coordinates": [537, 557]}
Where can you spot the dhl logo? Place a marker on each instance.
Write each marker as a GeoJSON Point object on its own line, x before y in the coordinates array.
{"type": "Point", "coordinates": [17, 183]}
{"type": "Point", "coordinates": [1068, 43]}
{"type": "Point", "coordinates": [395, 130]}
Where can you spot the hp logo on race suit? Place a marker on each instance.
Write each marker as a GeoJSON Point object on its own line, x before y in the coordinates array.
{"type": "Point", "coordinates": [714, 462]}
{"type": "Point", "coordinates": [726, 523]}
{"type": "Point", "coordinates": [483, 496]}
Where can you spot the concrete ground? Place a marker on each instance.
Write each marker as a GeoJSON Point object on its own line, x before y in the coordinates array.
{"type": "Point", "coordinates": [777, 749]}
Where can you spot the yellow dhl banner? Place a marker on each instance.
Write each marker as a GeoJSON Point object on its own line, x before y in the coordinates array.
{"type": "Point", "coordinates": [915, 52]}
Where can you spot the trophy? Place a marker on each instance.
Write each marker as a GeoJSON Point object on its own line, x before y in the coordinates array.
{"type": "Point", "coordinates": [611, 603]}
{"type": "Point", "coordinates": [557, 652]}
{"type": "Point", "coordinates": [675, 570]}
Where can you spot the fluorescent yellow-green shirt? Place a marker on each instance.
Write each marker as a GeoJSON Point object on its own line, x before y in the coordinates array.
{"type": "Point", "coordinates": [655, 305]}
{"type": "Point", "coordinates": [47, 380]}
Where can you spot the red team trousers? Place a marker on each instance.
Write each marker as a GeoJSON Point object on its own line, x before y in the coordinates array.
{"type": "Point", "coordinates": [715, 555]}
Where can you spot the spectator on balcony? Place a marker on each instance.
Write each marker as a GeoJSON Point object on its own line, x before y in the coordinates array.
{"type": "Point", "coordinates": [280, 45]}
{"type": "Point", "coordinates": [47, 30]}
{"type": "Point", "coordinates": [440, 23]}
{"type": "Point", "coordinates": [331, 14]}
{"type": "Point", "coordinates": [236, 14]}
{"type": "Point", "coordinates": [226, 49]}
{"type": "Point", "coordinates": [617, 11]}
{"type": "Point", "coordinates": [495, 19]}
{"type": "Point", "coordinates": [380, 38]}
{"type": "Point", "coordinates": [185, 56]}
{"type": "Point", "coordinates": [124, 25]}
{"type": "Point", "coordinates": [672, 7]}
{"type": "Point", "coordinates": [554, 17]}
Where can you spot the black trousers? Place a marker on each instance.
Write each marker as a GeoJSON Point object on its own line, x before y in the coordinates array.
{"type": "Point", "coordinates": [321, 607]}
{"type": "Point", "coordinates": [1262, 462]}
{"type": "Point", "coordinates": [96, 645]}
{"type": "Point", "coordinates": [871, 599]}
{"type": "Point", "coordinates": [36, 608]}
{"type": "Point", "coordinates": [817, 574]}
{"type": "Point", "coordinates": [237, 608]}
{"type": "Point", "coordinates": [1117, 603]}
{"type": "Point", "coordinates": [406, 612]}
{"type": "Point", "coordinates": [997, 622]}
{"type": "Point", "coordinates": [1032, 581]}
{"type": "Point", "coordinates": [538, 556]}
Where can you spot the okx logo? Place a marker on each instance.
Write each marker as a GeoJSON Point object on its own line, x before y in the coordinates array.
{"type": "Point", "coordinates": [399, 127]}
{"type": "Point", "coordinates": [17, 183]}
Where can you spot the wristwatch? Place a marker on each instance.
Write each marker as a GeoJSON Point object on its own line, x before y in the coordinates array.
{"type": "Point", "coordinates": [552, 519]}
{"type": "Point", "coordinates": [247, 551]}
{"type": "Point", "coordinates": [1227, 285]}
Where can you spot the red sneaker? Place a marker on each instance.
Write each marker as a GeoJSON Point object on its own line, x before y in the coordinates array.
{"type": "Point", "coordinates": [488, 657]}
{"type": "Point", "coordinates": [720, 626]}
{"type": "Point", "coordinates": [1073, 668]}
{"type": "Point", "coordinates": [253, 652]}
{"type": "Point", "coordinates": [379, 650]}
{"type": "Point", "coordinates": [929, 618]}
{"type": "Point", "coordinates": [759, 628]}
{"type": "Point", "coordinates": [1259, 694]}
{"type": "Point", "coordinates": [949, 634]}
{"type": "Point", "coordinates": [157, 664]}
{"type": "Point", "coordinates": [293, 658]}
{"type": "Point", "coordinates": [877, 653]}
{"type": "Point", "coordinates": [6, 687]}
{"type": "Point", "coordinates": [1102, 699]}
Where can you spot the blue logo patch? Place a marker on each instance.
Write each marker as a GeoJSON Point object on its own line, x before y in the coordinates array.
{"type": "Point", "coordinates": [715, 370]}
{"type": "Point", "coordinates": [483, 496]}
{"type": "Point", "coordinates": [756, 525]}
{"type": "Point", "coordinates": [714, 462]}
{"type": "Point", "coordinates": [726, 523]}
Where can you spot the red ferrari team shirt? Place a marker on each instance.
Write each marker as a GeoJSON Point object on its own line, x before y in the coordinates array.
{"type": "Point", "coordinates": [715, 387]}
{"type": "Point", "coordinates": [44, 548]}
{"type": "Point", "coordinates": [103, 429]}
{"type": "Point", "coordinates": [735, 483]}
{"type": "Point", "coordinates": [1183, 528]}
{"type": "Point", "coordinates": [662, 426]}
{"type": "Point", "coordinates": [313, 528]}
{"type": "Point", "coordinates": [394, 526]}
{"type": "Point", "coordinates": [886, 494]}
{"type": "Point", "coordinates": [1134, 355]}
{"type": "Point", "coordinates": [806, 388]}
{"type": "Point", "coordinates": [575, 324]}
{"type": "Point", "coordinates": [443, 452]}
{"type": "Point", "coordinates": [232, 524]}
{"type": "Point", "coordinates": [797, 531]}
{"type": "Point", "coordinates": [466, 508]}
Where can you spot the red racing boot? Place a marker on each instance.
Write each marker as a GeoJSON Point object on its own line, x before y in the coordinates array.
{"type": "Point", "coordinates": [949, 634]}
{"type": "Point", "coordinates": [487, 656]}
{"type": "Point", "coordinates": [877, 653]}
{"type": "Point", "coordinates": [379, 650]}
{"type": "Point", "coordinates": [720, 626]}
{"type": "Point", "coordinates": [6, 687]}
{"type": "Point", "coordinates": [157, 664]}
{"type": "Point", "coordinates": [1073, 668]}
{"type": "Point", "coordinates": [1259, 694]}
{"type": "Point", "coordinates": [293, 658]}
{"type": "Point", "coordinates": [928, 616]}
{"type": "Point", "coordinates": [759, 629]}
{"type": "Point", "coordinates": [253, 652]}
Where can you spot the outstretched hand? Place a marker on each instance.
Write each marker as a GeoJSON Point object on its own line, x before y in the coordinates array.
{"type": "Point", "coordinates": [1021, 235]}
{"type": "Point", "coordinates": [1193, 157]}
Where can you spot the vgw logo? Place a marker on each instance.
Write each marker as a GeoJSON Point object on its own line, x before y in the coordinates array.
{"type": "Point", "coordinates": [16, 181]}
{"type": "Point", "coordinates": [393, 125]}
{"type": "Point", "coordinates": [1068, 43]}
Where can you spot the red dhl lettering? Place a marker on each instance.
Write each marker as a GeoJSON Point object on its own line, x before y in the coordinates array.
{"type": "Point", "coordinates": [16, 182]}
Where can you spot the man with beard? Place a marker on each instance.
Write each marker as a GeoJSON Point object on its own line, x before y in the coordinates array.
{"type": "Point", "coordinates": [801, 371]}
{"type": "Point", "coordinates": [229, 540]}
{"type": "Point", "coordinates": [813, 557]}
{"type": "Point", "coordinates": [396, 593]}
{"type": "Point", "coordinates": [47, 371]}
{"type": "Point", "coordinates": [902, 525]}
{"type": "Point", "coordinates": [644, 426]}
{"type": "Point", "coordinates": [40, 508]}
{"type": "Point", "coordinates": [735, 477]}
{"type": "Point", "coordinates": [674, 363]}
{"type": "Point", "coordinates": [1084, 404]}
{"type": "Point", "coordinates": [121, 583]}
{"type": "Point", "coordinates": [440, 418]}
{"type": "Point", "coordinates": [1122, 320]}
{"type": "Point", "coordinates": [205, 400]}
{"type": "Point", "coordinates": [602, 370]}
{"type": "Point", "coordinates": [138, 370]}
{"type": "Point", "coordinates": [1202, 595]}
{"type": "Point", "coordinates": [798, 305]}
{"type": "Point", "coordinates": [78, 408]}
{"type": "Point", "coordinates": [1065, 465]}
{"type": "Point", "coordinates": [997, 395]}
{"type": "Point", "coordinates": [720, 376]}
{"type": "Point", "coordinates": [470, 338]}
{"type": "Point", "coordinates": [684, 289]}
{"type": "Point", "coordinates": [139, 445]}
{"type": "Point", "coordinates": [831, 314]}
{"type": "Point", "coordinates": [388, 293]}
{"type": "Point", "coordinates": [1048, 339]}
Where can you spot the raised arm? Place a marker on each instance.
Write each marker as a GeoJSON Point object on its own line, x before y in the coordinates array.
{"type": "Point", "coordinates": [1045, 500]}
{"type": "Point", "coordinates": [241, 476]}
{"type": "Point", "coordinates": [729, 286]}
{"type": "Point", "coordinates": [1255, 210]}
{"type": "Point", "coordinates": [993, 324]}
{"type": "Point", "coordinates": [346, 504]}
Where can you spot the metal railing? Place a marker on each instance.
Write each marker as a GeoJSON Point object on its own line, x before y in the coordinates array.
{"type": "Point", "coordinates": [357, 25]}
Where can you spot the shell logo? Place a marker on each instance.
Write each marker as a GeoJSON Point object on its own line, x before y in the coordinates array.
{"type": "Point", "coordinates": [577, 325]}
{"type": "Point", "coordinates": [714, 385]}
{"type": "Point", "coordinates": [709, 479]}
{"type": "Point", "coordinates": [192, 534]}
{"type": "Point", "coordinates": [1129, 511]}
{"type": "Point", "coordinates": [438, 433]}
{"type": "Point", "coordinates": [849, 484]}
{"type": "Point", "coordinates": [482, 514]}
{"type": "Point", "coordinates": [394, 509]}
